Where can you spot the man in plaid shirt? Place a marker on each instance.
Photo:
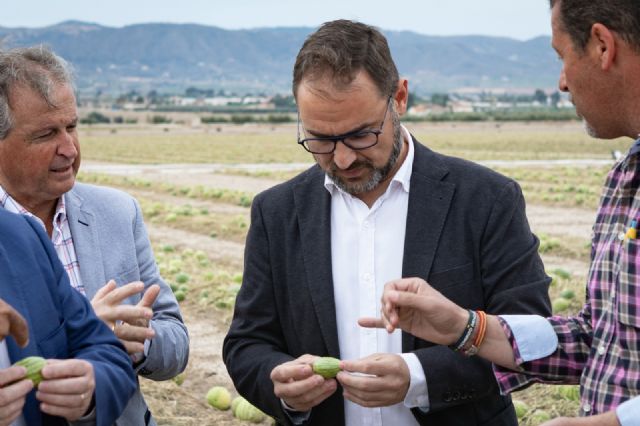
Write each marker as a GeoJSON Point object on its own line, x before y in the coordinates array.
{"type": "Point", "coordinates": [599, 44]}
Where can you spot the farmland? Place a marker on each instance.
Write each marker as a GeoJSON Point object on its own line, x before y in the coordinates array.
{"type": "Point", "coordinates": [195, 186]}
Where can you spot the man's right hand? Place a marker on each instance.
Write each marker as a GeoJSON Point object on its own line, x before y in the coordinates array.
{"type": "Point", "coordinates": [13, 324]}
{"type": "Point", "coordinates": [107, 303]}
{"type": "Point", "coordinates": [298, 386]}
{"type": "Point", "coordinates": [13, 391]}
{"type": "Point", "coordinates": [417, 308]}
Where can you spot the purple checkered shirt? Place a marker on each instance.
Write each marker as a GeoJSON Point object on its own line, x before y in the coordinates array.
{"type": "Point", "coordinates": [61, 236]}
{"type": "Point", "coordinates": [600, 347]}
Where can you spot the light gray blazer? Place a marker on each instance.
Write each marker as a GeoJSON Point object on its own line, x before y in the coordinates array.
{"type": "Point", "coordinates": [111, 242]}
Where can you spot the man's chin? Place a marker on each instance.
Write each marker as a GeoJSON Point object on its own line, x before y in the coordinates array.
{"type": "Point", "coordinates": [589, 129]}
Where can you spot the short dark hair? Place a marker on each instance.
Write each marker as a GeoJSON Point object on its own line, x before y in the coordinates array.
{"type": "Point", "coordinates": [38, 68]}
{"type": "Point", "coordinates": [342, 48]}
{"type": "Point", "coordinates": [578, 16]}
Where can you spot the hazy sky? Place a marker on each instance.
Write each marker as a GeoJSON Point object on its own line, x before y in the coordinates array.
{"type": "Point", "coordinates": [521, 19]}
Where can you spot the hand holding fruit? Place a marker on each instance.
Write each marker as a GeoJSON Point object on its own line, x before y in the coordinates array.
{"type": "Point", "coordinates": [67, 388]}
{"type": "Point", "coordinates": [14, 387]}
{"type": "Point", "coordinates": [134, 329]}
{"type": "Point", "coordinates": [298, 386]}
{"type": "Point", "coordinates": [384, 380]}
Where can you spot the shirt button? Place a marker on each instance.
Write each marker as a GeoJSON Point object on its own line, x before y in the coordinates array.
{"type": "Point", "coordinates": [366, 276]}
{"type": "Point", "coordinates": [365, 223]}
{"type": "Point", "coordinates": [601, 350]}
{"type": "Point", "coordinates": [621, 236]}
{"type": "Point", "coordinates": [586, 408]}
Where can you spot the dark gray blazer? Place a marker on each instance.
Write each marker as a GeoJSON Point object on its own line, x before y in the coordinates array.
{"type": "Point", "coordinates": [466, 234]}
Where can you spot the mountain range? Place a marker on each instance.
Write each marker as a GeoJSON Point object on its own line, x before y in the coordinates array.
{"type": "Point", "coordinates": [172, 57]}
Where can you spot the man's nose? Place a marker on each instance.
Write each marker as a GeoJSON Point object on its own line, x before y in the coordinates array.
{"type": "Point", "coordinates": [343, 156]}
{"type": "Point", "coordinates": [67, 145]}
{"type": "Point", "coordinates": [562, 83]}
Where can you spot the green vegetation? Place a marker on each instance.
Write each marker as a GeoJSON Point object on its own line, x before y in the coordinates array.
{"type": "Point", "coordinates": [209, 284]}
{"type": "Point", "coordinates": [201, 192]}
{"type": "Point", "coordinates": [512, 142]}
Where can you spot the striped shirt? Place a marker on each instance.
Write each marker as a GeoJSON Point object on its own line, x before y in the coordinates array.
{"type": "Point", "coordinates": [61, 236]}
{"type": "Point", "coordinates": [600, 347]}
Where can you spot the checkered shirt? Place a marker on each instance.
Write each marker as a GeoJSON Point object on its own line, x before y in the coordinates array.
{"type": "Point", "coordinates": [61, 236]}
{"type": "Point", "coordinates": [600, 347]}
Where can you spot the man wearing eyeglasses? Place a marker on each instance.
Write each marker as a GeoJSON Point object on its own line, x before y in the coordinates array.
{"type": "Point", "coordinates": [377, 206]}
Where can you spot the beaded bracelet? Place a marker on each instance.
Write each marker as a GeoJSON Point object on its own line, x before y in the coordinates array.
{"type": "Point", "coordinates": [479, 338]}
{"type": "Point", "coordinates": [468, 332]}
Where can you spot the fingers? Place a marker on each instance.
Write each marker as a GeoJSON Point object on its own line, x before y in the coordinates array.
{"type": "Point", "coordinates": [132, 347]}
{"type": "Point", "coordinates": [149, 296]}
{"type": "Point", "coordinates": [67, 388]}
{"type": "Point", "coordinates": [378, 380]}
{"type": "Point", "coordinates": [117, 295]}
{"type": "Point", "coordinates": [315, 391]}
{"type": "Point", "coordinates": [371, 322]}
{"type": "Point", "coordinates": [18, 328]}
{"type": "Point", "coordinates": [104, 290]}
{"type": "Point", "coordinates": [296, 384]}
{"type": "Point", "coordinates": [133, 333]}
{"type": "Point", "coordinates": [12, 399]}
{"type": "Point", "coordinates": [291, 371]}
{"type": "Point", "coordinates": [382, 322]}
{"type": "Point", "coordinates": [12, 323]}
{"type": "Point", "coordinates": [126, 313]}
{"type": "Point", "coordinates": [11, 374]}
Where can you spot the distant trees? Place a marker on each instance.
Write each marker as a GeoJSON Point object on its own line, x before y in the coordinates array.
{"type": "Point", "coordinates": [95, 117]}
{"type": "Point", "coordinates": [539, 96]}
{"type": "Point", "coordinates": [441, 99]}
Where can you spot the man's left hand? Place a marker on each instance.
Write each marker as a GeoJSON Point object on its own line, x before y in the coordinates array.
{"type": "Point", "coordinates": [383, 380]}
{"type": "Point", "coordinates": [67, 388]}
{"type": "Point", "coordinates": [606, 419]}
{"type": "Point", "coordinates": [132, 334]}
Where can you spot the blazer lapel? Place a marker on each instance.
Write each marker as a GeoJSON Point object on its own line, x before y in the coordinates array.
{"type": "Point", "coordinates": [313, 207]}
{"type": "Point", "coordinates": [86, 243]}
{"type": "Point", "coordinates": [429, 201]}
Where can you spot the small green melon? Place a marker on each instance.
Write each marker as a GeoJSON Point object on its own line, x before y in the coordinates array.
{"type": "Point", "coordinates": [219, 397]}
{"type": "Point", "coordinates": [34, 365]}
{"type": "Point", "coordinates": [328, 367]}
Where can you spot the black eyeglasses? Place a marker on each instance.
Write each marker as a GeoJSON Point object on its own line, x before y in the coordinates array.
{"type": "Point", "coordinates": [358, 140]}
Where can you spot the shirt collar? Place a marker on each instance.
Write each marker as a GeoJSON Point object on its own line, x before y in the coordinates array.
{"type": "Point", "coordinates": [10, 204]}
{"type": "Point", "coordinates": [401, 179]}
{"type": "Point", "coordinates": [635, 148]}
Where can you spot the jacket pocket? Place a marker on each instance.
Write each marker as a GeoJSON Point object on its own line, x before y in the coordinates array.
{"type": "Point", "coordinates": [54, 345]}
{"type": "Point", "coordinates": [451, 277]}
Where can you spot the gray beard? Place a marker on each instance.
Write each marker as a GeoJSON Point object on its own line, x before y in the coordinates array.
{"type": "Point", "coordinates": [378, 174]}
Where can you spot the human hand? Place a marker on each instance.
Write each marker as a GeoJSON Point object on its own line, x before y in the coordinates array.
{"type": "Point", "coordinates": [14, 388]}
{"type": "Point", "coordinates": [606, 419]}
{"type": "Point", "coordinates": [414, 306]}
{"type": "Point", "coordinates": [13, 324]}
{"type": "Point", "coordinates": [130, 323]}
{"type": "Point", "coordinates": [67, 388]}
{"type": "Point", "coordinates": [298, 386]}
{"type": "Point", "coordinates": [383, 380]}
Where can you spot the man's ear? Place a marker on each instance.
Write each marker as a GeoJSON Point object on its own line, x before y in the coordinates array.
{"type": "Point", "coordinates": [603, 44]}
{"type": "Point", "coordinates": [401, 97]}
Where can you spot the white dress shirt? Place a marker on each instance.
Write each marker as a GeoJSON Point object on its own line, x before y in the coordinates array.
{"type": "Point", "coordinates": [367, 247]}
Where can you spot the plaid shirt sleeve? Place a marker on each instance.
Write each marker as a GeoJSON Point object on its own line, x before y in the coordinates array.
{"type": "Point", "coordinates": [565, 365]}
